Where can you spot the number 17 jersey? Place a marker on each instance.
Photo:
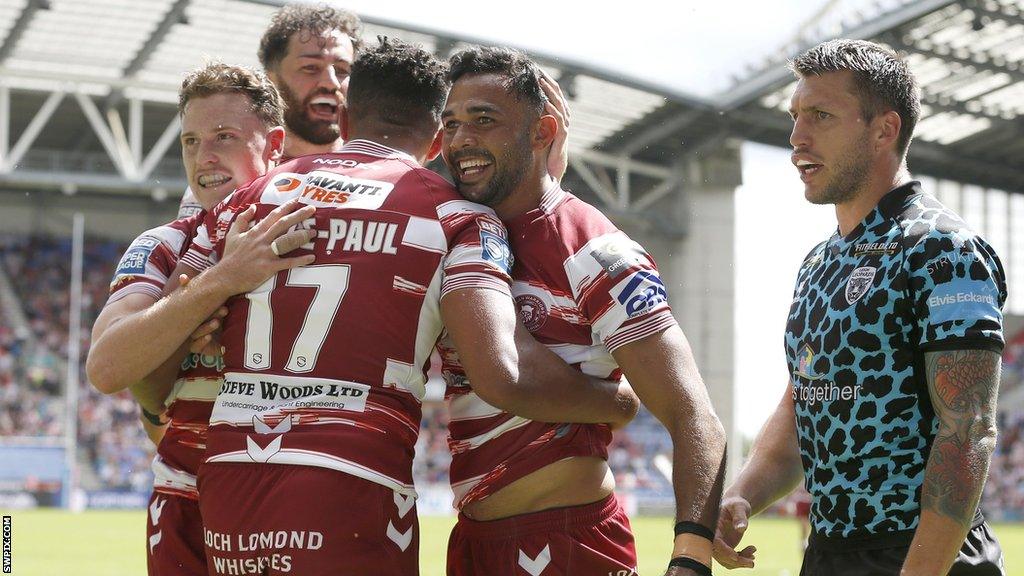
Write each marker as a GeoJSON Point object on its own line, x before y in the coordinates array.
{"type": "Point", "coordinates": [325, 364]}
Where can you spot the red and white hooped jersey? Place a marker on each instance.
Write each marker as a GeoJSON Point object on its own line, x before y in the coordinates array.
{"type": "Point", "coordinates": [583, 289]}
{"type": "Point", "coordinates": [326, 364]}
{"type": "Point", "coordinates": [145, 269]}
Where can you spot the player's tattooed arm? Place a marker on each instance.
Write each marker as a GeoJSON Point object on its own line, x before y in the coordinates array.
{"type": "Point", "coordinates": [963, 386]}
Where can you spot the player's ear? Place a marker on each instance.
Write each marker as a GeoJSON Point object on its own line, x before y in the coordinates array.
{"type": "Point", "coordinates": [274, 150]}
{"type": "Point", "coordinates": [435, 146]}
{"type": "Point", "coordinates": [888, 129]}
{"type": "Point", "coordinates": [546, 129]}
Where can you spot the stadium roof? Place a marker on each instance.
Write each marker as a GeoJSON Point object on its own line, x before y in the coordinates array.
{"type": "Point", "coordinates": [87, 92]}
{"type": "Point", "coordinates": [969, 59]}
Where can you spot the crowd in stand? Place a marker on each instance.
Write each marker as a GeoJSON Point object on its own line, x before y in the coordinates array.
{"type": "Point", "coordinates": [33, 370]}
{"type": "Point", "coordinates": [33, 365]}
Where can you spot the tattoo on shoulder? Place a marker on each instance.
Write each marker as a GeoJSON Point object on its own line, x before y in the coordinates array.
{"type": "Point", "coordinates": [963, 386]}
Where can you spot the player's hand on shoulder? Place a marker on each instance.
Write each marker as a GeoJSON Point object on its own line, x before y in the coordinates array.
{"type": "Point", "coordinates": [253, 252]}
{"type": "Point", "coordinates": [733, 519]}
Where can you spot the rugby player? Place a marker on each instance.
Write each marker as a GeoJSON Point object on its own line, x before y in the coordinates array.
{"type": "Point", "coordinates": [893, 345]}
{"type": "Point", "coordinates": [307, 51]}
{"type": "Point", "coordinates": [535, 496]}
{"type": "Point", "coordinates": [309, 458]}
{"type": "Point", "coordinates": [231, 132]}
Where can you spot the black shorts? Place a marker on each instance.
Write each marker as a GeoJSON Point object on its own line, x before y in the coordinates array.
{"type": "Point", "coordinates": [883, 556]}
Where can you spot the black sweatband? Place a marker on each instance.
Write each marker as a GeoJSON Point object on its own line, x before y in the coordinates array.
{"type": "Point", "coordinates": [684, 562]}
{"type": "Point", "coordinates": [154, 419]}
{"type": "Point", "coordinates": [687, 527]}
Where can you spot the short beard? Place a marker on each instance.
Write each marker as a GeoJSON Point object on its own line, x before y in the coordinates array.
{"type": "Point", "coordinates": [849, 177]}
{"type": "Point", "coordinates": [313, 131]}
{"type": "Point", "coordinates": [513, 164]}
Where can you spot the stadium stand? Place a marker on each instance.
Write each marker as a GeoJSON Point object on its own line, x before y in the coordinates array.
{"type": "Point", "coordinates": [34, 273]}
{"type": "Point", "coordinates": [32, 366]}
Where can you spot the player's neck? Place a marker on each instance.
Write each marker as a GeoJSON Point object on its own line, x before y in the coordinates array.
{"type": "Point", "coordinates": [526, 196]}
{"type": "Point", "coordinates": [853, 212]}
{"type": "Point", "coordinates": [295, 146]}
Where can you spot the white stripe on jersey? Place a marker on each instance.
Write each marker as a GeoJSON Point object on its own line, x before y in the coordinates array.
{"type": "Point", "coordinates": [582, 269]}
{"type": "Point", "coordinates": [425, 234]}
{"type": "Point", "coordinates": [298, 457]}
{"type": "Point", "coordinates": [466, 444]}
{"type": "Point", "coordinates": [460, 489]}
{"type": "Point", "coordinates": [405, 377]}
{"type": "Point", "coordinates": [463, 207]}
{"type": "Point", "coordinates": [197, 389]}
{"type": "Point", "coordinates": [171, 479]}
{"type": "Point", "coordinates": [469, 406]}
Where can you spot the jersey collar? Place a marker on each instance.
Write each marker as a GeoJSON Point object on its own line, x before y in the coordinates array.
{"type": "Point", "coordinates": [371, 148]}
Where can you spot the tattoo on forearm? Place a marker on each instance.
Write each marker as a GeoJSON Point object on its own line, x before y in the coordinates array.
{"type": "Point", "coordinates": [963, 387]}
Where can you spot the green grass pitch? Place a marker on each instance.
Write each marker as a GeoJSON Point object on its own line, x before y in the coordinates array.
{"type": "Point", "coordinates": [101, 543]}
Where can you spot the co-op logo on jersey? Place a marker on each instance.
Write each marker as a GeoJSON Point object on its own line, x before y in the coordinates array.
{"type": "Point", "coordinates": [641, 293]}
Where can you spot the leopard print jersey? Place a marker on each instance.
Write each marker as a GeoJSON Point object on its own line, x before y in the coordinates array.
{"type": "Point", "coordinates": [910, 278]}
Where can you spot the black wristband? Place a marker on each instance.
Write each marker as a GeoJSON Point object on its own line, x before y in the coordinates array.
{"type": "Point", "coordinates": [684, 562]}
{"type": "Point", "coordinates": [154, 419]}
{"type": "Point", "coordinates": [687, 527]}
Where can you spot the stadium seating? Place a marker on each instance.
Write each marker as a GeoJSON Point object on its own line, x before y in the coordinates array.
{"type": "Point", "coordinates": [117, 453]}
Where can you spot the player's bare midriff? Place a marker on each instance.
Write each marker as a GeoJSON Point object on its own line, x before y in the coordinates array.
{"type": "Point", "coordinates": [570, 482]}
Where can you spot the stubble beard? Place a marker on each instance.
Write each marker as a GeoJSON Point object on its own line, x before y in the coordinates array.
{"type": "Point", "coordinates": [849, 177]}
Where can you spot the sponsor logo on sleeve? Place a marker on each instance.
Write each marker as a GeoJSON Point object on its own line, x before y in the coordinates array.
{"type": "Point", "coordinates": [641, 293]}
{"type": "Point", "coordinates": [137, 256]}
{"type": "Point", "coordinates": [859, 282]}
{"type": "Point", "coordinates": [617, 256]}
{"type": "Point", "coordinates": [496, 250]}
{"type": "Point", "coordinates": [491, 225]}
{"type": "Point", "coordinates": [962, 299]}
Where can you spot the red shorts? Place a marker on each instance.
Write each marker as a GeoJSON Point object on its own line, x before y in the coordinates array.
{"type": "Point", "coordinates": [274, 519]}
{"type": "Point", "coordinates": [174, 537]}
{"type": "Point", "coordinates": [590, 539]}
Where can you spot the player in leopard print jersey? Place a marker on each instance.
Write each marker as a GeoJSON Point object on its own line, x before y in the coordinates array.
{"type": "Point", "coordinates": [893, 343]}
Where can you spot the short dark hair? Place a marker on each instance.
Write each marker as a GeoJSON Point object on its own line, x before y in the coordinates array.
{"type": "Point", "coordinates": [398, 84]}
{"type": "Point", "coordinates": [219, 78]}
{"type": "Point", "coordinates": [881, 78]}
{"type": "Point", "coordinates": [522, 74]}
{"type": "Point", "coordinates": [311, 19]}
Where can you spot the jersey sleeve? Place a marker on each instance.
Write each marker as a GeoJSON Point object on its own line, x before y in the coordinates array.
{"type": "Point", "coordinates": [617, 286]}
{"type": "Point", "coordinates": [959, 289]}
{"type": "Point", "coordinates": [147, 263]}
{"type": "Point", "coordinates": [478, 253]}
{"type": "Point", "coordinates": [200, 254]}
{"type": "Point", "coordinates": [208, 243]}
